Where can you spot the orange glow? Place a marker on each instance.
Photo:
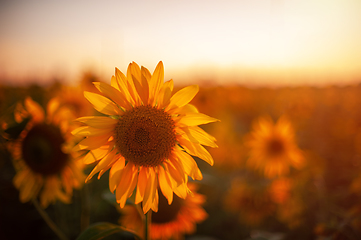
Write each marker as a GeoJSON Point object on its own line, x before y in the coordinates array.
{"type": "Point", "coordinates": [270, 42]}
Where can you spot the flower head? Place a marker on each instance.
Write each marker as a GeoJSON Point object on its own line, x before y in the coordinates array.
{"type": "Point", "coordinates": [272, 148]}
{"type": "Point", "coordinates": [44, 165]}
{"type": "Point", "coordinates": [146, 136]}
{"type": "Point", "coordinates": [171, 221]}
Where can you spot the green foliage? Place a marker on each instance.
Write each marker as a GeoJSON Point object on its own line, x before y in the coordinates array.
{"type": "Point", "coordinates": [102, 230]}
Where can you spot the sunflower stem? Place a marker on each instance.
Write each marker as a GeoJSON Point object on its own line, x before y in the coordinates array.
{"type": "Point", "coordinates": [48, 221]}
{"type": "Point", "coordinates": [148, 219]}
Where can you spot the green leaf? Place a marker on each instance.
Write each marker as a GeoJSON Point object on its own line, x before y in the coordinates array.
{"type": "Point", "coordinates": [102, 230]}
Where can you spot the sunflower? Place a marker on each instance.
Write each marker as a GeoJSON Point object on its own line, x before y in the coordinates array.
{"type": "Point", "coordinates": [42, 158]}
{"type": "Point", "coordinates": [171, 221]}
{"type": "Point", "coordinates": [272, 147]}
{"type": "Point", "coordinates": [146, 136]}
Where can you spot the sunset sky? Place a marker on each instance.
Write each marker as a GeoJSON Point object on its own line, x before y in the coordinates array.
{"type": "Point", "coordinates": [245, 41]}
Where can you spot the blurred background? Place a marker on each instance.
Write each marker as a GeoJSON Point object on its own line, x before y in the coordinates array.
{"type": "Point", "coordinates": [252, 42]}
{"type": "Point", "coordinates": [251, 59]}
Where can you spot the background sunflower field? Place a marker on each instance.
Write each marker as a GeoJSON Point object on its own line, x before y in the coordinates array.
{"type": "Point", "coordinates": [319, 200]}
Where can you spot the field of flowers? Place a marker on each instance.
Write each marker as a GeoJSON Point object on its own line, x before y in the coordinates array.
{"type": "Point", "coordinates": [287, 166]}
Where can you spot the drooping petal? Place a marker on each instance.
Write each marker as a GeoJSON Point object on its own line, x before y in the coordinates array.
{"type": "Point", "coordinates": [127, 183]}
{"type": "Point", "coordinates": [142, 183]}
{"type": "Point", "coordinates": [197, 135]}
{"type": "Point", "coordinates": [165, 184]}
{"type": "Point", "coordinates": [182, 97]}
{"type": "Point", "coordinates": [154, 206]}
{"type": "Point", "coordinates": [175, 171]}
{"type": "Point", "coordinates": [110, 164]}
{"type": "Point", "coordinates": [190, 166]}
{"type": "Point", "coordinates": [150, 190]}
{"type": "Point", "coordinates": [182, 190]}
{"type": "Point", "coordinates": [92, 142]}
{"type": "Point", "coordinates": [102, 104]}
{"type": "Point", "coordinates": [103, 163]}
{"type": "Point", "coordinates": [196, 149]}
{"type": "Point", "coordinates": [115, 173]}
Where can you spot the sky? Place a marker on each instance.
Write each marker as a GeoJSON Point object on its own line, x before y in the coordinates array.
{"type": "Point", "coordinates": [254, 42]}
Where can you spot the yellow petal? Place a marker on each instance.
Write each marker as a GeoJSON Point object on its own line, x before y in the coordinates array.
{"type": "Point", "coordinates": [98, 121]}
{"type": "Point", "coordinates": [133, 70]}
{"type": "Point", "coordinates": [190, 166]}
{"type": "Point", "coordinates": [186, 109]}
{"type": "Point", "coordinates": [142, 88]}
{"type": "Point", "coordinates": [154, 206]}
{"type": "Point", "coordinates": [122, 82]}
{"type": "Point", "coordinates": [102, 164]}
{"type": "Point", "coordinates": [195, 149]}
{"type": "Point", "coordinates": [150, 190]}
{"type": "Point", "coordinates": [165, 184]}
{"type": "Point", "coordinates": [89, 158]}
{"type": "Point", "coordinates": [200, 136]}
{"type": "Point", "coordinates": [165, 94]}
{"type": "Point", "coordinates": [128, 180]}
{"type": "Point", "coordinates": [90, 131]}
{"type": "Point", "coordinates": [34, 109]}
{"type": "Point", "coordinates": [92, 142]}
{"type": "Point", "coordinates": [182, 97]}
{"type": "Point", "coordinates": [115, 173]}
{"type": "Point", "coordinates": [102, 104]}
{"type": "Point", "coordinates": [175, 171]}
{"type": "Point", "coordinates": [142, 183]}
{"type": "Point", "coordinates": [51, 108]}
{"type": "Point", "coordinates": [114, 83]}
{"type": "Point", "coordinates": [182, 191]}
{"type": "Point", "coordinates": [194, 119]}
{"type": "Point", "coordinates": [100, 152]}
{"type": "Point", "coordinates": [112, 93]}
{"type": "Point", "coordinates": [156, 82]}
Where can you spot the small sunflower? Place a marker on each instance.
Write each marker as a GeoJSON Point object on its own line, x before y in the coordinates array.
{"type": "Point", "coordinates": [146, 136]}
{"type": "Point", "coordinates": [42, 158]}
{"type": "Point", "coordinates": [171, 221]}
{"type": "Point", "coordinates": [272, 148]}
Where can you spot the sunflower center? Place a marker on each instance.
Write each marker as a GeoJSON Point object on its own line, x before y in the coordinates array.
{"type": "Point", "coordinates": [145, 136]}
{"type": "Point", "coordinates": [275, 147]}
{"type": "Point", "coordinates": [167, 213]}
{"type": "Point", "coordinates": [41, 149]}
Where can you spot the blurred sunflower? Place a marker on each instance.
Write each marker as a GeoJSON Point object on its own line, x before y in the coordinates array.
{"type": "Point", "coordinates": [171, 221]}
{"type": "Point", "coordinates": [272, 147]}
{"type": "Point", "coordinates": [73, 98]}
{"type": "Point", "coordinates": [252, 199]}
{"type": "Point", "coordinates": [146, 137]}
{"type": "Point", "coordinates": [42, 158]}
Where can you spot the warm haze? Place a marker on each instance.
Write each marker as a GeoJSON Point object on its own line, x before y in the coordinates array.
{"type": "Point", "coordinates": [274, 42]}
